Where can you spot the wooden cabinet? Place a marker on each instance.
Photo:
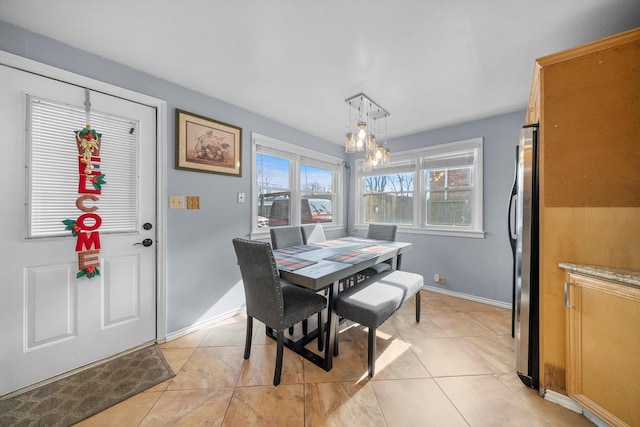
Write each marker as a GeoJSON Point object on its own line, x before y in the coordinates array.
{"type": "Point", "coordinates": [587, 101]}
{"type": "Point", "coordinates": [603, 347]}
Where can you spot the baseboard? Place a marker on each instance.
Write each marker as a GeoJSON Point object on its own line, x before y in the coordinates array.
{"type": "Point", "coordinates": [205, 323]}
{"type": "Point", "coordinates": [594, 418]}
{"type": "Point", "coordinates": [567, 402]}
{"type": "Point", "coordinates": [562, 400]}
{"type": "Point", "coordinates": [467, 297]}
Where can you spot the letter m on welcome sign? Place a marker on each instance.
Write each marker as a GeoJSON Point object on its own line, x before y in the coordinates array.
{"type": "Point", "coordinates": [87, 241]}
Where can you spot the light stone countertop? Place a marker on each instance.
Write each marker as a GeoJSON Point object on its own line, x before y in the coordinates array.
{"type": "Point", "coordinates": [622, 275]}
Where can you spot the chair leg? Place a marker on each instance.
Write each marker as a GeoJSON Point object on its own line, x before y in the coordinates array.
{"type": "Point", "coordinates": [320, 332]}
{"type": "Point", "coordinates": [290, 330]}
{"type": "Point", "coordinates": [279, 353]}
{"type": "Point", "coordinates": [371, 354]}
{"type": "Point", "coordinates": [305, 327]}
{"type": "Point", "coordinates": [418, 307]}
{"type": "Point", "coordinates": [335, 341]}
{"type": "Point", "coordinates": [247, 342]}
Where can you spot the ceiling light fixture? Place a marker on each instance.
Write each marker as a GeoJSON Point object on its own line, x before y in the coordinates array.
{"type": "Point", "coordinates": [368, 117]}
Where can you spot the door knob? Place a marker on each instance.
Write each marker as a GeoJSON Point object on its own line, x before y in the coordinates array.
{"type": "Point", "coordinates": [147, 226]}
{"type": "Point", "coordinates": [145, 242]}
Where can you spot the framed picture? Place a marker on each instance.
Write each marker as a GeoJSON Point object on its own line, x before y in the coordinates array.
{"type": "Point", "coordinates": [207, 145]}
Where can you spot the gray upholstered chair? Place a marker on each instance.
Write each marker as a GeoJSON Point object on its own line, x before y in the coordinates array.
{"type": "Point", "coordinates": [277, 306]}
{"type": "Point", "coordinates": [284, 237]}
{"type": "Point", "coordinates": [380, 232]}
{"type": "Point", "coordinates": [312, 233]}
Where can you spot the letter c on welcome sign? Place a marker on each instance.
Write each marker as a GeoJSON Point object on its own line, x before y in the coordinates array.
{"type": "Point", "coordinates": [80, 203]}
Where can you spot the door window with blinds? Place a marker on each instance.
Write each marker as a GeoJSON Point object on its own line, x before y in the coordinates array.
{"type": "Point", "coordinates": [52, 168]}
{"type": "Point", "coordinates": [437, 189]}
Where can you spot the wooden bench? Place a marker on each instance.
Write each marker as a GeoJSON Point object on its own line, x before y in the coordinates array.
{"type": "Point", "coordinates": [374, 300]}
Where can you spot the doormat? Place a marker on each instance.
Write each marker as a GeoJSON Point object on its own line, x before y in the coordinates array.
{"type": "Point", "coordinates": [78, 396]}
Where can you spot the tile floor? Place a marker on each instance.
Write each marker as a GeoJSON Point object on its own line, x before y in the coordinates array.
{"type": "Point", "coordinates": [454, 368]}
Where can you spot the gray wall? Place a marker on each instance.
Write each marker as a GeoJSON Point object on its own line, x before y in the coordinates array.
{"type": "Point", "coordinates": [203, 279]}
{"type": "Point", "coordinates": [478, 267]}
{"type": "Point", "coordinates": [202, 275]}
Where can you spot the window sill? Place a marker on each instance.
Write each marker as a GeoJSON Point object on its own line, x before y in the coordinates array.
{"type": "Point", "coordinates": [451, 232]}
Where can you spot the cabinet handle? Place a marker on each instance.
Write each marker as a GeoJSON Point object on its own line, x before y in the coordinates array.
{"type": "Point", "coordinates": [566, 294]}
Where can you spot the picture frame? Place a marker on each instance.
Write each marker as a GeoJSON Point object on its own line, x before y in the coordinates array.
{"type": "Point", "coordinates": [207, 145]}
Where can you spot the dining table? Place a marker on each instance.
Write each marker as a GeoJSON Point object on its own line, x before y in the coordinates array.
{"type": "Point", "coordinates": [321, 266]}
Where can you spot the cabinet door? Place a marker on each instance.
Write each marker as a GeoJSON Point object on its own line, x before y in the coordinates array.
{"type": "Point", "coordinates": [603, 357]}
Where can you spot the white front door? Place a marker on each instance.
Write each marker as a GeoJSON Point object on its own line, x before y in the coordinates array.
{"type": "Point", "coordinates": [52, 322]}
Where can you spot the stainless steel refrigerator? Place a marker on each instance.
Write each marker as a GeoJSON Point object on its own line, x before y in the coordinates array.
{"type": "Point", "coordinates": [523, 233]}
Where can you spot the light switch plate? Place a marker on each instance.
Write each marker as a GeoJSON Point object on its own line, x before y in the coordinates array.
{"type": "Point", "coordinates": [176, 202]}
{"type": "Point", "coordinates": [240, 197]}
{"type": "Point", "coordinates": [193, 202]}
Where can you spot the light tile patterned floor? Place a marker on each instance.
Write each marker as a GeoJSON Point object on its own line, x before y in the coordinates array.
{"type": "Point", "coordinates": [454, 368]}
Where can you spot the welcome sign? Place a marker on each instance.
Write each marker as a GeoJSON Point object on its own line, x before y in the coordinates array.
{"type": "Point", "coordinates": [86, 226]}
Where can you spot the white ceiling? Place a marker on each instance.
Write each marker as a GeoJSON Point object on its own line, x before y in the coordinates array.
{"type": "Point", "coordinates": [429, 63]}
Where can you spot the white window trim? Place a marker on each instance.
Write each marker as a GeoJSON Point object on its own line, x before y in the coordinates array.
{"type": "Point", "coordinates": [299, 155]}
{"type": "Point", "coordinates": [477, 228]}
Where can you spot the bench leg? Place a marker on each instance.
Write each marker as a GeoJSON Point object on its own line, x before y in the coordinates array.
{"type": "Point", "coordinates": [418, 307]}
{"type": "Point", "coordinates": [371, 356]}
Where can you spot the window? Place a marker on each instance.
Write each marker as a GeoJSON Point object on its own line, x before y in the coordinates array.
{"type": "Point", "coordinates": [436, 190]}
{"type": "Point", "coordinates": [293, 185]}
{"type": "Point", "coordinates": [449, 189]}
{"type": "Point", "coordinates": [388, 193]}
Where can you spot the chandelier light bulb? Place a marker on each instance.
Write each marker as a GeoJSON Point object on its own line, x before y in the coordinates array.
{"type": "Point", "coordinates": [368, 162]}
{"type": "Point", "coordinates": [350, 145]}
{"type": "Point", "coordinates": [371, 143]}
{"type": "Point", "coordinates": [362, 130]}
{"type": "Point", "coordinates": [386, 159]}
{"type": "Point", "coordinates": [379, 152]}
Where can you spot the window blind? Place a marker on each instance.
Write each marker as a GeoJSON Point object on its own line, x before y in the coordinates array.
{"type": "Point", "coordinates": [52, 168]}
{"type": "Point", "coordinates": [454, 161]}
{"type": "Point", "coordinates": [399, 165]}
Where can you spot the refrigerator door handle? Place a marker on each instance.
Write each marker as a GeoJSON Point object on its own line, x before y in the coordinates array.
{"type": "Point", "coordinates": [513, 203]}
{"type": "Point", "coordinates": [513, 206]}
{"type": "Point", "coordinates": [567, 297]}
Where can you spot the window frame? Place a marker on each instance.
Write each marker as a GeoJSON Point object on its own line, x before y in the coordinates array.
{"type": "Point", "coordinates": [297, 156]}
{"type": "Point", "coordinates": [416, 158]}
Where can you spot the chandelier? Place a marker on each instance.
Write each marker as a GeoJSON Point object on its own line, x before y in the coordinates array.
{"type": "Point", "coordinates": [368, 118]}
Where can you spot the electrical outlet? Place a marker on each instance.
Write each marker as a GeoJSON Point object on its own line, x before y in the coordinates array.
{"type": "Point", "coordinates": [193, 202]}
{"type": "Point", "coordinates": [240, 197]}
{"type": "Point", "coordinates": [176, 202]}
